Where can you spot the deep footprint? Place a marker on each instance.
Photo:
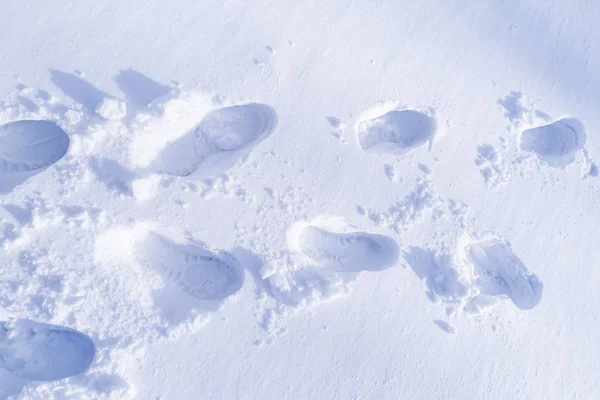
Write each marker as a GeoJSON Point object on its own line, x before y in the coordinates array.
{"type": "Point", "coordinates": [357, 251]}
{"type": "Point", "coordinates": [27, 148]}
{"type": "Point", "coordinates": [396, 132]}
{"type": "Point", "coordinates": [197, 271]}
{"type": "Point", "coordinates": [499, 272]}
{"type": "Point", "coordinates": [223, 137]}
{"type": "Point", "coordinates": [42, 352]}
{"type": "Point", "coordinates": [555, 143]}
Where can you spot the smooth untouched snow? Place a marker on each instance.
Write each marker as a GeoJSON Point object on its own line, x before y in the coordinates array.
{"type": "Point", "coordinates": [299, 200]}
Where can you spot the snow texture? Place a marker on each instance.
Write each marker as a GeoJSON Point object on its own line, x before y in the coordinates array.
{"type": "Point", "coordinates": [299, 200]}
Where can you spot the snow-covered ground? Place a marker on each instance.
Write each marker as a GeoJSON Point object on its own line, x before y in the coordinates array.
{"type": "Point", "coordinates": [272, 199]}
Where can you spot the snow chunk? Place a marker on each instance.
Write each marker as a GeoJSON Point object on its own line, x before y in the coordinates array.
{"type": "Point", "coordinates": [112, 108]}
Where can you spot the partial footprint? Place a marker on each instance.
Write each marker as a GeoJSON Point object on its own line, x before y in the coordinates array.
{"type": "Point", "coordinates": [498, 272]}
{"type": "Point", "coordinates": [222, 138]}
{"type": "Point", "coordinates": [396, 132]}
{"type": "Point", "coordinates": [27, 148]}
{"type": "Point", "coordinates": [42, 352]}
{"type": "Point", "coordinates": [556, 143]}
{"type": "Point", "coordinates": [192, 267]}
{"type": "Point", "coordinates": [357, 251]}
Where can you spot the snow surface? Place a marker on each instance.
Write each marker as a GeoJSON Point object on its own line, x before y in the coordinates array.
{"type": "Point", "coordinates": [299, 200]}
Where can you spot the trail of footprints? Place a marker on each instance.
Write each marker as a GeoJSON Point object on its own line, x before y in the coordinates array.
{"type": "Point", "coordinates": [486, 272]}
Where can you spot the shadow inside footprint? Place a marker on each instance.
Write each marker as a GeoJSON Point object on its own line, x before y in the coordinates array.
{"type": "Point", "coordinates": [223, 137]}
{"type": "Point", "coordinates": [27, 148]}
{"type": "Point", "coordinates": [555, 143]}
{"type": "Point", "coordinates": [357, 251]}
{"type": "Point", "coordinates": [396, 132]}
{"type": "Point", "coordinates": [41, 352]}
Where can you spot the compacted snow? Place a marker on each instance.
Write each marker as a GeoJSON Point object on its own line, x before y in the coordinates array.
{"type": "Point", "coordinates": [299, 200]}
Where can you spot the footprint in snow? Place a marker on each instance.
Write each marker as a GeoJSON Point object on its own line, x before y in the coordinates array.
{"type": "Point", "coordinates": [41, 352]}
{"type": "Point", "coordinates": [556, 143]}
{"type": "Point", "coordinates": [396, 132]}
{"type": "Point", "coordinates": [220, 140]}
{"type": "Point", "coordinates": [498, 272]}
{"type": "Point", "coordinates": [27, 148]}
{"type": "Point", "coordinates": [192, 267]}
{"type": "Point", "coordinates": [356, 251]}
{"type": "Point", "coordinates": [326, 255]}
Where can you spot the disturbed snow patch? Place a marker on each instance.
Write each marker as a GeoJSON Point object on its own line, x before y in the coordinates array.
{"type": "Point", "coordinates": [402, 215]}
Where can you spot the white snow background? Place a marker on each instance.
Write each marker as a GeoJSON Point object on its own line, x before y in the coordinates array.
{"type": "Point", "coordinates": [276, 199]}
